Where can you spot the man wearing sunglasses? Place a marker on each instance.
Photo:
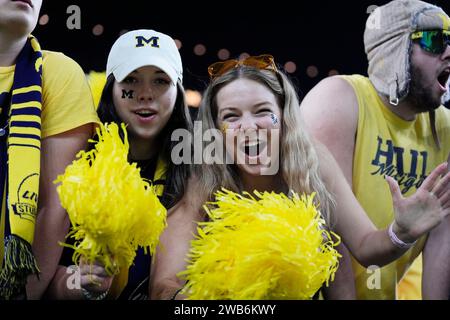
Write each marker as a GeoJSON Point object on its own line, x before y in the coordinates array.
{"type": "Point", "coordinates": [393, 123]}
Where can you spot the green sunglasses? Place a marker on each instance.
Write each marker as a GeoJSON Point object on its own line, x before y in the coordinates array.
{"type": "Point", "coordinates": [435, 41]}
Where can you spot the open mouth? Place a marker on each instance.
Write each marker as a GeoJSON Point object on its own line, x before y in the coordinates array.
{"type": "Point", "coordinates": [145, 113]}
{"type": "Point", "coordinates": [253, 148]}
{"type": "Point", "coordinates": [443, 77]}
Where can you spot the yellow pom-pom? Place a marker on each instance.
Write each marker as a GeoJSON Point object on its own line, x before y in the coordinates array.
{"type": "Point", "coordinates": [97, 81]}
{"type": "Point", "coordinates": [264, 247]}
{"type": "Point", "coordinates": [112, 209]}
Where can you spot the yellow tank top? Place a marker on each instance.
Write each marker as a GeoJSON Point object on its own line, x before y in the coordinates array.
{"type": "Point", "coordinates": [388, 145]}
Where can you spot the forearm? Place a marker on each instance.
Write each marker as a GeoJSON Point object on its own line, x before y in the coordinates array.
{"type": "Point", "coordinates": [65, 285]}
{"type": "Point", "coordinates": [167, 289]}
{"type": "Point", "coordinates": [436, 263]}
{"type": "Point", "coordinates": [51, 229]}
{"type": "Point", "coordinates": [376, 248]}
{"type": "Point", "coordinates": [52, 221]}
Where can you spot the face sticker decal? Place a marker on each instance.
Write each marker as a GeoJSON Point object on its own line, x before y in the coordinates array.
{"type": "Point", "coordinates": [274, 118]}
{"type": "Point", "coordinates": [224, 127]}
{"type": "Point", "coordinates": [127, 94]}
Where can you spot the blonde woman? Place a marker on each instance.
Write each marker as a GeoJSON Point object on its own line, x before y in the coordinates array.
{"type": "Point", "coordinates": [251, 96]}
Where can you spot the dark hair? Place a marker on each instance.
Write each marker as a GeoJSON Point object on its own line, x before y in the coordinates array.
{"type": "Point", "coordinates": [176, 175]}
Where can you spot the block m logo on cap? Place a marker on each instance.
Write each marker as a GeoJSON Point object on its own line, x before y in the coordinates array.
{"type": "Point", "coordinates": [142, 41]}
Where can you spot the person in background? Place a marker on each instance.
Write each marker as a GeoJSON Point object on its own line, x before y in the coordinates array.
{"type": "Point", "coordinates": [47, 116]}
{"type": "Point", "coordinates": [393, 123]}
{"type": "Point", "coordinates": [143, 90]}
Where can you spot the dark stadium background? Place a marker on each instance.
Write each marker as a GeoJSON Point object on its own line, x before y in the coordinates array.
{"type": "Point", "coordinates": [326, 36]}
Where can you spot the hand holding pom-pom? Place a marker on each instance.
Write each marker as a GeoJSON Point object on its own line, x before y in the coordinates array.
{"type": "Point", "coordinates": [264, 247]}
{"type": "Point", "coordinates": [112, 209]}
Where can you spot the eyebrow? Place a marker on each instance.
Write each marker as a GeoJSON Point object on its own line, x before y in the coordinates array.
{"type": "Point", "coordinates": [228, 109]}
{"type": "Point", "coordinates": [257, 105]}
{"type": "Point", "coordinates": [262, 103]}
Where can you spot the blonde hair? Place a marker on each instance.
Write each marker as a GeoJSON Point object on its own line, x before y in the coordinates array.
{"type": "Point", "coordinates": [299, 162]}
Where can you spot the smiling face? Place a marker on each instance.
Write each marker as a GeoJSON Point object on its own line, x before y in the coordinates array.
{"type": "Point", "coordinates": [429, 78]}
{"type": "Point", "coordinates": [249, 115]}
{"type": "Point", "coordinates": [145, 100]}
{"type": "Point", "coordinates": [19, 16]}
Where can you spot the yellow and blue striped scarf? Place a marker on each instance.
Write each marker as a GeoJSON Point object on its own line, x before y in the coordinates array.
{"type": "Point", "coordinates": [20, 170]}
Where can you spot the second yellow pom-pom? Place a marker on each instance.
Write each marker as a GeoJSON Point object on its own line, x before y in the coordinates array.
{"type": "Point", "coordinates": [112, 209]}
{"type": "Point", "coordinates": [264, 247]}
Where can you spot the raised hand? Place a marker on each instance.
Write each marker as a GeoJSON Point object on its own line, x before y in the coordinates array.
{"type": "Point", "coordinates": [425, 209]}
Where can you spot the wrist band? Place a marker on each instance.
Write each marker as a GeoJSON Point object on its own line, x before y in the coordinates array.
{"type": "Point", "coordinates": [396, 241]}
{"type": "Point", "coordinates": [90, 296]}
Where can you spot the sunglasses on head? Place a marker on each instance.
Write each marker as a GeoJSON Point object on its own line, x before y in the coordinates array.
{"type": "Point", "coordinates": [264, 61]}
{"type": "Point", "coordinates": [435, 41]}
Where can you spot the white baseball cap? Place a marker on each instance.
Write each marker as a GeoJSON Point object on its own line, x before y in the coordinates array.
{"type": "Point", "coordinates": [139, 48]}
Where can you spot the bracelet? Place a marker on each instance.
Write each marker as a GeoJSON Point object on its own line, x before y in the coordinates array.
{"type": "Point", "coordinates": [396, 241]}
{"type": "Point", "coordinates": [88, 295]}
{"type": "Point", "coordinates": [176, 293]}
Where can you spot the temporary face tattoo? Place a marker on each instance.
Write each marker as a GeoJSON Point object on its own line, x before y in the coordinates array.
{"type": "Point", "coordinates": [224, 127]}
{"type": "Point", "coordinates": [127, 94]}
{"type": "Point", "coordinates": [274, 118]}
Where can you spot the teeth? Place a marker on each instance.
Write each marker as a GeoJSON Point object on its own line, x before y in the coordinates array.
{"type": "Point", "coordinates": [253, 148]}
{"type": "Point", "coordinates": [144, 112]}
{"type": "Point", "coordinates": [252, 144]}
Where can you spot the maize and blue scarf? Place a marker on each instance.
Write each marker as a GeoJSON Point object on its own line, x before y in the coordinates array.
{"type": "Point", "coordinates": [20, 170]}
